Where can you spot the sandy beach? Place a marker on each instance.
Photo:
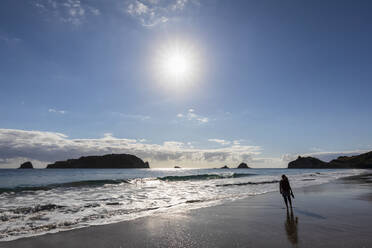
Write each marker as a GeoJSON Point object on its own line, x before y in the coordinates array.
{"type": "Point", "coordinates": [336, 214]}
{"type": "Point", "coordinates": [177, 123]}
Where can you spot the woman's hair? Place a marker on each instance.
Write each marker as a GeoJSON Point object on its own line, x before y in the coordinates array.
{"type": "Point", "coordinates": [284, 177]}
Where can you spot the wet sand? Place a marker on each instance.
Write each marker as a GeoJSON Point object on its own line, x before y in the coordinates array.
{"type": "Point", "coordinates": [336, 214]}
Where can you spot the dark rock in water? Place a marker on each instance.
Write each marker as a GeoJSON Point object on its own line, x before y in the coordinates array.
{"type": "Point", "coordinates": [177, 167]}
{"type": "Point", "coordinates": [109, 161]}
{"type": "Point", "coordinates": [26, 165]}
{"type": "Point", "coordinates": [307, 162]}
{"type": "Point", "coordinates": [362, 161]}
{"type": "Point", "coordinates": [225, 167]}
{"type": "Point", "coordinates": [243, 166]}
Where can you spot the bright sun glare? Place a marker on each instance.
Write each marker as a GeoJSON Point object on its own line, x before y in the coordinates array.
{"type": "Point", "coordinates": [177, 65]}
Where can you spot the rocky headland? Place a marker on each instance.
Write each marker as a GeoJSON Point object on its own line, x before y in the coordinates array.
{"type": "Point", "coordinates": [109, 161]}
{"type": "Point", "coordinates": [362, 161]}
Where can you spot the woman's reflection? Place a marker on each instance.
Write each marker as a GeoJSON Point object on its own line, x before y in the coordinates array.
{"type": "Point", "coordinates": [291, 227]}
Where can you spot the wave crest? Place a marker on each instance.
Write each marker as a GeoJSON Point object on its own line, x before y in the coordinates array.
{"type": "Point", "coordinates": [204, 177]}
{"type": "Point", "coordinates": [247, 183]}
{"type": "Point", "coordinates": [88, 183]}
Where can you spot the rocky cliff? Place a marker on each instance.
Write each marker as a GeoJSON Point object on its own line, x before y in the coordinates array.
{"type": "Point", "coordinates": [362, 161]}
{"type": "Point", "coordinates": [307, 162]}
{"type": "Point", "coordinates": [26, 165]}
{"type": "Point", "coordinates": [109, 161]}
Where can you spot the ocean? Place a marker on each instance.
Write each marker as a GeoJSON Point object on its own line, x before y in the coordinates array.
{"type": "Point", "coordinates": [39, 201]}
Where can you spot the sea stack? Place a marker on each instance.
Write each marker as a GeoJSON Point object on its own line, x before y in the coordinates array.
{"type": "Point", "coordinates": [243, 166]}
{"type": "Point", "coordinates": [26, 165]}
{"type": "Point", "coordinates": [109, 161]}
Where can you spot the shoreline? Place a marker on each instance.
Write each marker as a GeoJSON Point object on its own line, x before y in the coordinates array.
{"type": "Point", "coordinates": [253, 221]}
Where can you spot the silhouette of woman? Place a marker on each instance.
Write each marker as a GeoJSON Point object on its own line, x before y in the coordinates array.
{"type": "Point", "coordinates": [286, 190]}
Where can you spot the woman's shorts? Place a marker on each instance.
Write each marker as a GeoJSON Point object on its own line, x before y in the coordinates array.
{"type": "Point", "coordinates": [286, 194]}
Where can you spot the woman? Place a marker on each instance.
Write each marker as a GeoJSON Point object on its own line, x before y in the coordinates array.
{"type": "Point", "coordinates": [286, 190]}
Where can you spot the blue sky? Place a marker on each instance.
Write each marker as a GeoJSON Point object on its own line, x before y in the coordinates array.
{"type": "Point", "coordinates": [272, 79]}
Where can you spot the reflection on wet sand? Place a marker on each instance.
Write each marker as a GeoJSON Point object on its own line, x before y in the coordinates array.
{"type": "Point", "coordinates": [291, 227]}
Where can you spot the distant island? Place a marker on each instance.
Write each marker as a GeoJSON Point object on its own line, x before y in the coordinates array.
{"type": "Point", "coordinates": [26, 165]}
{"type": "Point", "coordinates": [362, 161]}
{"type": "Point", "coordinates": [243, 166]}
{"type": "Point", "coordinates": [240, 166]}
{"type": "Point", "coordinates": [109, 161]}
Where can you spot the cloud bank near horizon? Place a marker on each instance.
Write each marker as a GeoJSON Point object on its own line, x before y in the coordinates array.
{"type": "Point", "coordinates": [45, 147]}
{"type": "Point", "coordinates": [40, 147]}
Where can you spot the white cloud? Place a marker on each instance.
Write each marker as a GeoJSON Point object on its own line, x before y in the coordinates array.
{"type": "Point", "coordinates": [52, 110]}
{"type": "Point", "coordinates": [203, 119]}
{"type": "Point", "coordinates": [68, 11]}
{"type": "Point", "coordinates": [173, 145]}
{"type": "Point", "coordinates": [51, 146]}
{"type": "Point", "coordinates": [132, 116]}
{"type": "Point", "coordinates": [40, 6]}
{"type": "Point", "coordinates": [179, 4]}
{"type": "Point", "coordinates": [108, 136]}
{"type": "Point", "coordinates": [153, 12]}
{"type": "Point", "coordinates": [221, 141]}
{"type": "Point", "coordinates": [137, 8]}
{"type": "Point", "coordinates": [9, 39]}
{"type": "Point", "coordinates": [192, 116]}
{"type": "Point", "coordinates": [94, 11]}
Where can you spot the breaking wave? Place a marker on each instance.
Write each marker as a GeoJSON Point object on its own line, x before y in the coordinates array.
{"type": "Point", "coordinates": [204, 177]}
{"type": "Point", "coordinates": [246, 183]}
{"type": "Point", "coordinates": [88, 183]}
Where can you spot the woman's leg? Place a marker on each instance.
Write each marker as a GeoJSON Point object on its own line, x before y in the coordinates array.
{"type": "Point", "coordinates": [285, 200]}
{"type": "Point", "coordinates": [290, 201]}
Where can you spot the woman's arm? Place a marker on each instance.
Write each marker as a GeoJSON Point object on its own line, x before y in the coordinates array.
{"type": "Point", "coordinates": [280, 187]}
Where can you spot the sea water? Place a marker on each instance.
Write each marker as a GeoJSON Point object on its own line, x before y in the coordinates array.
{"type": "Point", "coordinates": [34, 202]}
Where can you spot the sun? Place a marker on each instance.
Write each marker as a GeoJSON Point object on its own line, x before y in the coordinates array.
{"type": "Point", "coordinates": [177, 65]}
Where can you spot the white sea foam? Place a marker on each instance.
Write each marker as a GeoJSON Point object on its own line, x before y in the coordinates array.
{"type": "Point", "coordinates": [35, 209]}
